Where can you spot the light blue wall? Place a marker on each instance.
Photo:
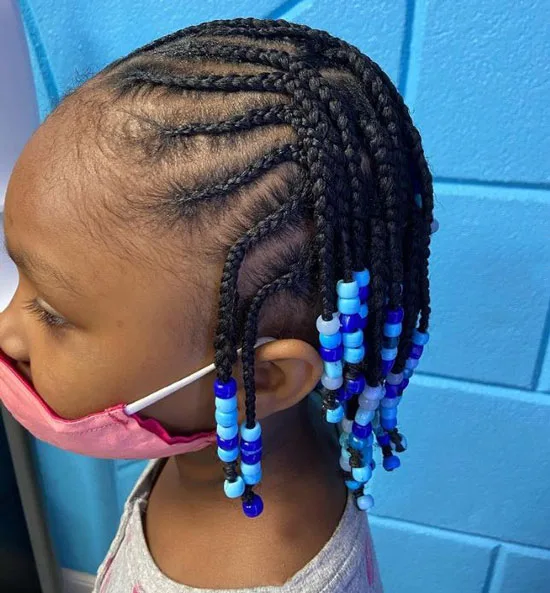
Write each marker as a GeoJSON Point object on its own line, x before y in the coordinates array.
{"type": "Point", "coordinates": [469, 510]}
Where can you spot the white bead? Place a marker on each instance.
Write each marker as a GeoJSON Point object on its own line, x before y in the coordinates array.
{"type": "Point", "coordinates": [390, 402]}
{"type": "Point", "coordinates": [435, 226]}
{"type": "Point", "coordinates": [332, 383]}
{"type": "Point", "coordinates": [393, 379]}
{"type": "Point", "coordinates": [328, 327]}
{"type": "Point", "coordinates": [346, 425]}
{"type": "Point", "coordinates": [368, 404]}
{"type": "Point", "coordinates": [372, 393]}
{"type": "Point", "coordinates": [344, 464]}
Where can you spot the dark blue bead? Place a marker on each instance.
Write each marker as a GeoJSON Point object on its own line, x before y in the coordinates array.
{"type": "Point", "coordinates": [391, 342]}
{"type": "Point", "coordinates": [227, 444]}
{"type": "Point", "coordinates": [357, 385]}
{"type": "Point", "coordinates": [362, 324]}
{"type": "Point", "coordinates": [364, 293]}
{"type": "Point", "coordinates": [350, 323]}
{"type": "Point", "coordinates": [387, 366]}
{"type": "Point", "coordinates": [383, 439]}
{"type": "Point", "coordinates": [254, 507]}
{"type": "Point", "coordinates": [416, 351]}
{"type": "Point", "coordinates": [343, 395]}
{"type": "Point", "coordinates": [251, 446]}
{"type": "Point", "coordinates": [403, 385]}
{"type": "Point", "coordinates": [251, 458]}
{"type": "Point", "coordinates": [331, 354]}
{"type": "Point", "coordinates": [395, 315]}
{"type": "Point", "coordinates": [225, 390]}
{"type": "Point", "coordinates": [392, 390]}
{"type": "Point", "coordinates": [390, 463]}
{"type": "Point", "coordinates": [361, 432]}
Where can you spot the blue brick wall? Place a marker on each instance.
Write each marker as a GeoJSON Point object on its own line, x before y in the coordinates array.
{"type": "Point", "coordinates": [469, 510]}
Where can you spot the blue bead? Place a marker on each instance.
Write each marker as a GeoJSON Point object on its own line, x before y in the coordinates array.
{"type": "Point", "coordinates": [225, 390]}
{"type": "Point", "coordinates": [362, 323]}
{"type": "Point", "coordinates": [383, 439]}
{"type": "Point", "coordinates": [392, 462]}
{"type": "Point", "coordinates": [362, 277]}
{"type": "Point", "coordinates": [251, 434]}
{"type": "Point", "coordinates": [343, 395]}
{"type": "Point", "coordinates": [364, 293]}
{"type": "Point", "coordinates": [349, 306]}
{"type": "Point", "coordinates": [389, 423]}
{"type": "Point", "coordinates": [388, 412]}
{"type": "Point", "coordinates": [331, 354]}
{"type": "Point", "coordinates": [227, 432]}
{"type": "Point", "coordinates": [330, 341]}
{"type": "Point", "coordinates": [393, 330]}
{"type": "Point", "coordinates": [395, 315]}
{"type": "Point", "coordinates": [347, 290]}
{"type": "Point", "coordinates": [251, 446]}
{"type": "Point", "coordinates": [353, 485]}
{"type": "Point", "coordinates": [411, 363]}
{"type": "Point", "coordinates": [391, 390]}
{"type": "Point", "coordinates": [228, 456]}
{"type": "Point", "coordinates": [361, 432]}
{"type": "Point", "coordinates": [254, 507]}
{"type": "Point", "coordinates": [363, 417]}
{"type": "Point", "coordinates": [251, 458]}
{"type": "Point", "coordinates": [363, 311]}
{"type": "Point", "coordinates": [408, 373]}
{"type": "Point", "coordinates": [367, 455]}
{"type": "Point", "coordinates": [353, 339]}
{"type": "Point", "coordinates": [227, 418]}
{"type": "Point", "coordinates": [349, 323]}
{"type": "Point", "coordinates": [252, 479]}
{"type": "Point", "coordinates": [356, 443]}
{"type": "Point", "coordinates": [250, 469]}
{"type": "Point", "coordinates": [420, 338]}
{"type": "Point", "coordinates": [226, 405]}
{"type": "Point", "coordinates": [356, 385]}
{"type": "Point", "coordinates": [365, 502]}
{"type": "Point", "coordinates": [416, 351]}
{"type": "Point", "coordinates": [234, 489]}
{"type": "Point", "coordinates": [391, 342]}
{"type": "Point", "coordinates": [343, 440]}
{"type": "Point", "coordinates": [354, 355]}
{"type": "Point", "coordinates": [361, 474]}
{"type": "Point", "coordinates": [227, 444]}
{"type": "Point", "coordinates": [328, 327]}
{"type": "Point", "coordinates": [389, 353]}
{"type": "Point", "coordinates": [334, 416]}
{"type": "Point", "coordinates": [333, 369]}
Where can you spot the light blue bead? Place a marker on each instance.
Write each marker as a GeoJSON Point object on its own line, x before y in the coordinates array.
{"type": "Point", "coordinates": [347, 290]}
{"type": "Point", "coordinates": [393, 330]}
{"type": "Point", "coordinates": [389, 353]}
{"type": "Point", "coordinates": [354, 355]}
{"type": "Point", "coordinates": [234, 489]}
{"type": "Point", "coordinates": [345, 454]}
{"type": "Point", "coordinates": [353, 485]}
{"type": "Point", "coordinates": [361, 474]}
{"type": "Point", "coordinates": [252, 479]}
{"type": "Point", "coordinates": [353, 339]}
{"type": "Point", "coordinates": [419, 338]}
{"type": "Point", "coordinates": [363, 310]}
{"type": "Point", "coordinates": [365, 502]}
{"type": "Point", "coordinates": [250, 469]}
{"type": "Point", "coordinates": [336, 415]}
{"type": "Point", "coordinates": [332, 341]}
{"type": "Point", "coordinates": [333, 369]}
{"type": "Point", "coordinates": [251, 434]}
{"type": "Point", "coordinates": [388, 412]}
{"type": "Point", "coordinates": [228, 456]}
{"type": "Point", "coordinates": [362, 277]}
{"type": "Point", "coordinates": [363, 417]}
{"type": "Point", "coordinates": [226, 405]}
{"type": "Point", "coordinates": [227, 432]}
{"type": "Point", "coordinates": [332, 383]}
{"type": "Point", "coordinates": [227, 418]}
{"type": "Point", "coordinates": [349, 306]}
{"type": "Point", "coordinates": [328, 327]}
{"type": "Point", "coordinates": [411, 363]}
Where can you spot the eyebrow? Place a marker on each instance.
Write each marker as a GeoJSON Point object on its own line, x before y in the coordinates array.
{"type": "Point", "coordinates": [38, 269]}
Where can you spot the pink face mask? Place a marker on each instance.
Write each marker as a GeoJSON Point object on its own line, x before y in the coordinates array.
{"type": "Point", "coordinates": [115, 433]}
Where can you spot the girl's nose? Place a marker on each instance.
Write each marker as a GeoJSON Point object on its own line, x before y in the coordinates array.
{"type": "Point", "coordinates": [12, 339]}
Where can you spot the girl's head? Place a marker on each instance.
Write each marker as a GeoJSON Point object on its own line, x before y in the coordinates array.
{"type": "Point", "coordinates": [207, 189]}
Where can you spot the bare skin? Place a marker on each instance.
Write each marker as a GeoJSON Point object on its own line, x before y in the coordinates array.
{"type": "Point", "coordinates": [126, 329]}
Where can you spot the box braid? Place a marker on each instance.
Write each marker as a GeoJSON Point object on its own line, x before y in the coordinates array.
{"type": "Point", "coordinates": [359, 157]}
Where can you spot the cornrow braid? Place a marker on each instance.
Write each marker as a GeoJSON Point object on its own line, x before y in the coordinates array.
{"type": "Point", "coordinates": [358, 197]}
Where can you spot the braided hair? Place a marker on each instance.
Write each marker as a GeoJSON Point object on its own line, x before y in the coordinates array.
{"type": "Point", "coordinates": [307, 152]}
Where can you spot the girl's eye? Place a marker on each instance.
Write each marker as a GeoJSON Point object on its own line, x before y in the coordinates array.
{"type": "Point", "coordinates": [45, 317]}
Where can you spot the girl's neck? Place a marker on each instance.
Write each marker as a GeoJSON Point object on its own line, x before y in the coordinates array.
{"type": "Point", "coordinates": [200, 538]}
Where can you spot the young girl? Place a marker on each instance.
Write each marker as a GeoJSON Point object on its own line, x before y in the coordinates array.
{"type": "Point", "coordinates": [244, 204]}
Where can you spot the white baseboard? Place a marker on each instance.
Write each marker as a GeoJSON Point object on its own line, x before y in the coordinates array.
{"type": "Point", "coordinates": [77, 582]}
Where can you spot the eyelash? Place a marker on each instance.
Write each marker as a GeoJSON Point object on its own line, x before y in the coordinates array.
{"type": "Point", "coordinates": [45, 317]}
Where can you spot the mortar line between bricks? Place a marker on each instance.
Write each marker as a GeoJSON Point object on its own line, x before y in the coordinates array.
{"type": "Point", "coordinates": [489, 577]}
{"type": "Point", "coordinates": [472, 535]}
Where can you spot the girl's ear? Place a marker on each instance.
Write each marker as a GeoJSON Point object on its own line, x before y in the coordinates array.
{"type": "Point", "coordinates": [285, 372]}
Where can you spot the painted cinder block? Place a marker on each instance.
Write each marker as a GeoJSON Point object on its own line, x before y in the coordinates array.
{"type": "Point", "coordinates": [522, 570]}
{"type": "Point", "coordinates": [481, 86]}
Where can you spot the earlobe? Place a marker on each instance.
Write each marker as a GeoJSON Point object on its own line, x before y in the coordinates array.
{"type": "Point", "coordinates": [286, 372]}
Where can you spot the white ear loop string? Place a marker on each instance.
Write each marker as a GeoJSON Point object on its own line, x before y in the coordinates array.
{"type": "Point", "coordinates": [156, 396]}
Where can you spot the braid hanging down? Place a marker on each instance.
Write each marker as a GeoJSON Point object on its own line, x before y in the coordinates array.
{"type": "Point", "coordinates": [313, 142]}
